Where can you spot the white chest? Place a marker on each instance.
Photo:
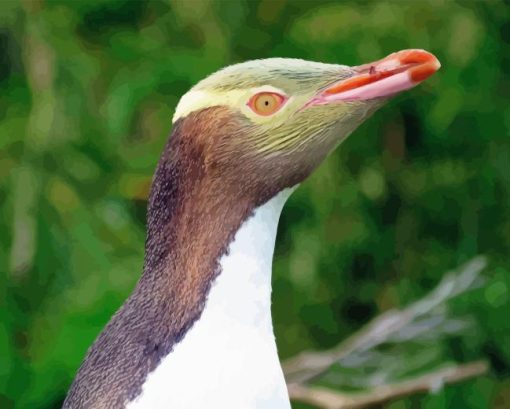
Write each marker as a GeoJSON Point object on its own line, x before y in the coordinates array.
{"type": "Point", "coordinates": [228, 359]}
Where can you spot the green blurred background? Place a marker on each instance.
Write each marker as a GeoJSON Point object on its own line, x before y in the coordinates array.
{"type": "Point", "coordinates": [87, 92]}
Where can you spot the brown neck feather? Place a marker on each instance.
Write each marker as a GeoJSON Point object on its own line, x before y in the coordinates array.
{"type": "Point", "coordinates": [197, 203]}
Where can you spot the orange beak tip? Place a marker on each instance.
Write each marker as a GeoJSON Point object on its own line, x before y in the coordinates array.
{"type": "Point", "coordinates": [421, 72]}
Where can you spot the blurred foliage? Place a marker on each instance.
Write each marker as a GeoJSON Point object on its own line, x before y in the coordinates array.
{"type": "Point", "coordinates": [87, 91]}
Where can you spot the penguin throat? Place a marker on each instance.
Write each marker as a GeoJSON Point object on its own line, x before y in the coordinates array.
{"type": "Point", "coordinates": [228, 357]}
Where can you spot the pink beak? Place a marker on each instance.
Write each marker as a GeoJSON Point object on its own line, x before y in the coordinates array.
{"type": "Point", "coordinates": [397, 72]}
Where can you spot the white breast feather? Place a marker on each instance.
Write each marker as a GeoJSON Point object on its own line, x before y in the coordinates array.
{"type": "Point", "coordinates": [228, 359]}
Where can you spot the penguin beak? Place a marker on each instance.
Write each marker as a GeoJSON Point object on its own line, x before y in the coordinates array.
{"type": "Point", "coordinates": [397, 72]}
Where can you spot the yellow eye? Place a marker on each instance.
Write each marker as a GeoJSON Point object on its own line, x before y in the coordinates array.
{"type": "Point", "coordinates": [266, 103]}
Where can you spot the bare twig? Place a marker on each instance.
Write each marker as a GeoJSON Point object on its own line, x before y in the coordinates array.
{"type": "Point", "coordinates": [393, 326]}
{"type": "Point", "coordinates": [431, 382]}
{"type": "Point", "coordinates": [422, 323]}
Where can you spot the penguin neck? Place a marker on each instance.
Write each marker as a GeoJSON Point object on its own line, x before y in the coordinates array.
{"type": "Point", "coordinates": [242, 290]}
{"type": "Point", "coordinates": [230, 351]}
{"type": "Point", "coordinates": [201, 310]}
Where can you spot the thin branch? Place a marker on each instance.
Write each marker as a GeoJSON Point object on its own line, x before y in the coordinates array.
{"type": "Point", "coordinates": [392, 326]}
{"type": "Point", "coordinates": [422, 323]}
{"type": "Point", "coordinates": [328, 399]}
